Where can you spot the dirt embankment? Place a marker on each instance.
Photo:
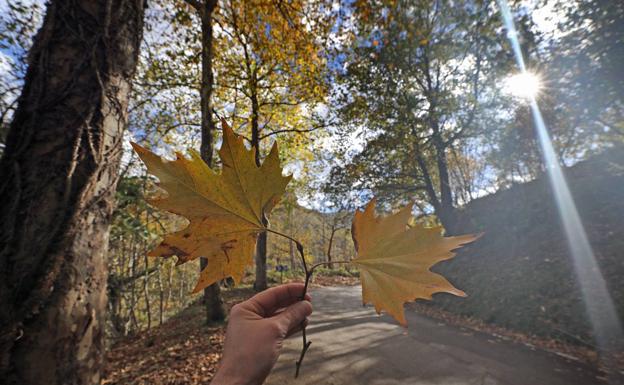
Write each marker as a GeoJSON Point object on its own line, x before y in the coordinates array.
{"type": "Point", "coordinates": [519, 274]}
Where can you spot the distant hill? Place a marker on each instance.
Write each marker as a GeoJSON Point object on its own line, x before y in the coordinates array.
{"type": "Point", "coordinates": [520, 274]}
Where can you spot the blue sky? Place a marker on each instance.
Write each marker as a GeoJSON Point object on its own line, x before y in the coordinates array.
{"type": "Point", "coordinates": [545, 18]}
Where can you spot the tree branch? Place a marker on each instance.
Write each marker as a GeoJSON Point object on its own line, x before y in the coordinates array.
{"type": "Point", "coordinates": [197, 5]}
{"type": "Point", "coordinates": [293, 130]}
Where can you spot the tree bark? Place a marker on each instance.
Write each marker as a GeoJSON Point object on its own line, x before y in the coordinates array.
{"type": "Point", "coordinates": [58, 177]}
{"type": "Point", "coordinates": [161, 298]}
{"type": "Point", "coordinates": [133, 297]}
{"type": "Point", "coordinates": [114, 310]}
{"type": "Point", "coordinates": [212, 294]}
{"type": "Point", "coordinates": [329, 247]}
{"type": "Point", "coordinates": [446, 212]}
{"type": "Point", "coordinates": [260, 283]}
{"type": "Point", "coordinates": [148, 308]}
{"type": "Point", "coordinates": [443, 207]}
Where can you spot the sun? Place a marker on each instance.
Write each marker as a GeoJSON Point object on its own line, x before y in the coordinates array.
{"type": "Point", "coordinates": [525, 85]}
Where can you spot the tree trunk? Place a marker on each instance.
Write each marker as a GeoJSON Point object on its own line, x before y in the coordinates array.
{"type": "Point", "coordinates": [169, 287]}
{"type": "Point", "coordinates": [213, 301]}
{"type": "Point", "coordinates": [446, 213]}
{"type": "Point", "coordinates": [291, 253]}
{"type": "Point", "coordinates": [329, 247]}
{"type": "Point", "coordinates": [443, 207]}
{"type": "Point", "coordinates": [212, 294]}
{"type": "Point", "coordinates": [114, 309]}
{"type": "Point", "coordinates": [133, 298]}
{"type": "Point", "coordinates": [261, 246]}
{"type": "Point", "coordinates": [148, 308]}
{"type": "Point", "coordinates": [59, 173]}
{"type": "Point", "coordinates": [261, 283]}
{"type": "Point", "coordinates": [429, 188]}
{"type": "Point", "coordinates": [291, 244]}
{"type": "Point", "coordinates": [161, 297]}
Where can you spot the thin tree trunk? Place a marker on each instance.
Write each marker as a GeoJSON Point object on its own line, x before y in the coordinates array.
{"type": "Point", "coordinates": [291, 244]}
{"type": "Point", "coordinates": [261, 246]}
{"type": "Point", "coordinates": [291, 251]}
{"type": "Point", "coordinates": [447, 210]}
{"type": "Point", "coordinates": [161, 297]}
{"type": "Point", "coordinates": [148, 308]}
{"type": "Point", "coordinates": [443, 207]}
{"type": "Point", "coordinates": [59, 173]}
{"type": "Point", "coordinates": [181, 280]}
{"type": "Point", "coordinates": [215, 311]}
{"type": "Point", "coordinates": [329, 248]}
{"type": "Point", "coordinates": [114, 308]}
{"type": "Point", "coordinates": [133, 300]}
{"type": "Point", "coordinates": [429, 188]}
{"type": "Point", "coordinates": [213, 302]}
{"type": "Point", "coordinates": [169, 286]}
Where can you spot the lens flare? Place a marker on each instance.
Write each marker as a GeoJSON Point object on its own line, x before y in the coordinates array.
{"type": "Point", "coordinates": [601, 312]}
{"type": "Point", "coordinates": [525, 85]}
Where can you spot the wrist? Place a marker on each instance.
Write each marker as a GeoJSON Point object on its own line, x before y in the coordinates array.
{"type": "Point", "coordinates": [230, 376]}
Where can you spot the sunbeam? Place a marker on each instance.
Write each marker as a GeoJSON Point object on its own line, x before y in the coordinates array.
{"type": "Point", "coordinates": [598, 302]}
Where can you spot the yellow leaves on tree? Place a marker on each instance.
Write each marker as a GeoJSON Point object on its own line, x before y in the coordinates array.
{"type": "Point", "coordinates": [394, 259]}
{"type": "Point", "coordinates": [224, 210]}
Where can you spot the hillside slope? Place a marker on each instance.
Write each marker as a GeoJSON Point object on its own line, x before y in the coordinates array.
{"type": "Point", "coordinates": [519, 274]}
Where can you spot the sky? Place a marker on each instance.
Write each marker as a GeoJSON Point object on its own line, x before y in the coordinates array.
{"type": "Point", "coordinates": [545, 17]}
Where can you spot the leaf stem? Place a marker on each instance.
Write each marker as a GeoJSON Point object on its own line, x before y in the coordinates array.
{"type": "Point", "coordinates": [328, 263]}
{"type": "Point", "coordinates": [287, 236]}
{"type": "Point", "coordinates": [308, 274]}
{"type": "Point", "coordinates": [308, 278]}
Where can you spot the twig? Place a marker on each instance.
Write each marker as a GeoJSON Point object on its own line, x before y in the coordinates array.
{"type": "Point", "coordinates": [308, 277]}
{"type": "Point", "coordinates": [306, 345]}
{"type": "Point", "coordinates": [327, 263]}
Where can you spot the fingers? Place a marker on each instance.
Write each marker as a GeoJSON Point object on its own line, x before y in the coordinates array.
{"type": "Point", "coordinates": [294, 315]}
{"type": "Point", "coordinates": [298, 328]}
{"type": "Point", "coordinates": [270, 300]}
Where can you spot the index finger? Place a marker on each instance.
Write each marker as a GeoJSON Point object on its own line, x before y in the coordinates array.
{"type": "Point", "coordinates": [270, 300]}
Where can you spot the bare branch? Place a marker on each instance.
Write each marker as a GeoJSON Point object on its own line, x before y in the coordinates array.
{"type": "Point", "coordinates": [291, 130]}
{"type": "Point", "coordinates": [197, 5]}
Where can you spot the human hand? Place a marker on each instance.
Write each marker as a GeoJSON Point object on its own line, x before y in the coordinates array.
{"type": "Point", "coordinates": [255, 333]}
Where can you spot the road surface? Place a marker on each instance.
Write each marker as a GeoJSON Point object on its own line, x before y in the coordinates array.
{"type": "Point", "coordinates": [352, 345]}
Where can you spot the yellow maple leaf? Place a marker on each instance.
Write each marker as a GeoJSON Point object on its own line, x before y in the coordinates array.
{"type": "Point", "coordinates": [394, 259]}
{"type": "Point", "coordinates": [224, 210]}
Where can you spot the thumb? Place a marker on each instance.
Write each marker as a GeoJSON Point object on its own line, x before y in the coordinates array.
{"type": "Point", "coordinates": [294, 315]}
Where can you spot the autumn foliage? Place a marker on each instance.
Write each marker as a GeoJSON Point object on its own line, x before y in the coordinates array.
{"type": "Point", "coordinates": [224, 210]}
{"type": "Point", "coordinates": [225, 216]}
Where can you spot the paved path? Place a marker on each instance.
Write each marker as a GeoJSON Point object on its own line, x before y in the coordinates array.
{"type": "Point", "coordinates": [352, 345]}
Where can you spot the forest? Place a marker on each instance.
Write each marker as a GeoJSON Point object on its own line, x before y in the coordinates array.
{"type": "Point", "coordinates": [495, 125]}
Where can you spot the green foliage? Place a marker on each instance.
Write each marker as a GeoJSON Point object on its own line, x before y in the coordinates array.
{"type": "Point", "coordinates": [418, 88]}
{"type": "Point", "coordinates": [142, 292]}
{"type": "Point", "coordinates": [587, 65]}
{"type": "Point", "coordinates": [581, 99]}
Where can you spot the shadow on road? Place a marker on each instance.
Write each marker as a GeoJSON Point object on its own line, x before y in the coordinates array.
{"type": "Point", "coordinates": [353, 345]}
